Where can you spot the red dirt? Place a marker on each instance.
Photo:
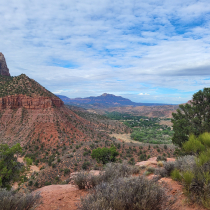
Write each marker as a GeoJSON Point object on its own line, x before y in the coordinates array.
{"type": "Point", "coordinates": [176, 192]}
{"type": "Point", "coordinates": [62, 197]}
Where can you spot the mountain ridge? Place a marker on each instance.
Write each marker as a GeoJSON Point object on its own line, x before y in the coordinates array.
{"type": "Point", "coordinates": [108, 100]}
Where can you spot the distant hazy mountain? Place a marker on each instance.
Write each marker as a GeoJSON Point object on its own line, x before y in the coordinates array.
{"type": "Point", "coordinates": [105, 100]}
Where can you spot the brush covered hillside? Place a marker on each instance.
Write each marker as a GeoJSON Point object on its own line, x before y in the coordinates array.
{"type": "Point", "coordinates": [55, 137]}
{"type": "Point", "coordinates": [163, 111]}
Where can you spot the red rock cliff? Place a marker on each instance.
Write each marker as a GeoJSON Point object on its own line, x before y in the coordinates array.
{"type": "Point", "coordinates": [27, 102]}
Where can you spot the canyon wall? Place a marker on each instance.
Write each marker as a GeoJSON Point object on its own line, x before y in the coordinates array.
{"type": "Point", "coordinates": [39, 102]}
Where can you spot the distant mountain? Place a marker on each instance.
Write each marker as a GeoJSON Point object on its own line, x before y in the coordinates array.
{"type": "Point", "coordinates": [105, 100]}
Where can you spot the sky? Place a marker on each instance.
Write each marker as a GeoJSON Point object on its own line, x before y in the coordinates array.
{"type": "Point", "coordinates": [148, 51]}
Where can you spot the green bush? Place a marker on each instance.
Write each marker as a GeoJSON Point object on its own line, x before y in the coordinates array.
{"type": "Point", "coordinates": [47, 183]}
{"type": "Point", "coordinates": [104, 154]}
{"type": "Point", "coordinates": [30, 183]}
{"type": "Point", "coordinates": [203, 158]}
{"type": "Point", "coordinates": [175, 175]}
{"type": "Point", "coordinates": [28, 161]}
{"type": "Point", "coordinates": [193, 145]}
{"type": "Point", "coordinates": [205, 139]}
{"type": "Point", "coordinates": [85, 165]}
{"type": "Point", "coordinates": [66, 171]}
{"type": "Point", "coordinates": [161, 158]}
{"type": "Point", "coordinates": [188, 178]}
{"type": "Point", "coordinates": [9, 167]}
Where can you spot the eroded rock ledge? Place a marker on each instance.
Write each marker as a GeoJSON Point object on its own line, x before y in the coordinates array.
{"type": "Point", "coordinates": [38, 102]}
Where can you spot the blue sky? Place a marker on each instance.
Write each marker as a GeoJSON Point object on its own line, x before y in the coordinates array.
{"type": "Point", "coordinates": [147, 51]}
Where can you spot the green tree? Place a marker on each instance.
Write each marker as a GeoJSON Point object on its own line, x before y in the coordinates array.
{"type": "Point", "coordinates": [9, 167]}
{"type": "Point", "coordinates": [104, 154]}
{"type": "Point", "coordinates": [193, 118]}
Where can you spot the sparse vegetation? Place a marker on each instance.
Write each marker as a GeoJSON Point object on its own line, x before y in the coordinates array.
{"type": "Point", "coordinates": [145, 129]}
{"type": "Point", "coordinates": [10, 200]}
{"type": "Point", "coordinates": [135, 193]}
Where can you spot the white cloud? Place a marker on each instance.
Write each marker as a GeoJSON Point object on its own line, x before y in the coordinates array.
{"type": "Point", "coordinates": [113, 45]}
{"type": "Point", "coordinates": [144, 94]}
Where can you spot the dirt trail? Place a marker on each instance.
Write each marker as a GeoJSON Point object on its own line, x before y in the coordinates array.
{"type": "Point", "coordinates": [32, 169]}
{"type": "Point", "coordinates": [62, 197]}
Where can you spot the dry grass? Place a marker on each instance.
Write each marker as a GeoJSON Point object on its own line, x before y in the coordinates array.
{"type": "Point", "coordinates": [10, 200]}
{"type": "Point", "coordinates": [136, 193]}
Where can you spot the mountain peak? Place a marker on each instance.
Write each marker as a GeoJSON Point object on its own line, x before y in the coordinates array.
{"type": "Point", "coordinates": [106, 94]}
{"type": "Point", "coordinates": [4, 71]}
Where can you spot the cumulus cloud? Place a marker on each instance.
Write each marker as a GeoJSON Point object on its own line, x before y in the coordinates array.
{"type": "Point", "coordinates": [87, 48]}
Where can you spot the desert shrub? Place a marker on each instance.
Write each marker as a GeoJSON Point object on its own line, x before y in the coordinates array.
{"type": "Point", "coordinates": [85, 165]}
{"type": "Point", "coordinates": [132, 161]}
{"type": "Point", "coordinates": [161, 158]}
{"type": "Point", "coordinates": [205, 139]}
{"type": "Point", "coordinates": [116, 170]}
{"type": "Point", "coordinates": [175, 175]}
{"type": "Point", "coordinates": [143, 157]}
{"type": "Point", "coordinates": [36, 184]}
{"type": "Point", "coordinates": [66, 171]}
{"type": "Point", "coordinates": [81, 179]}
{"type": "Point", "coordinates": [203, 158]}
{"type": "Point", "coordinates": [135, 193]}
{"type": "Point", "coordinates": [169, 167]}
{"type": "Point", "coordinates": [47, 183]}
{"type": "Point", "coordinates": [187, 178]}
{"type": "Point", "coordinates": [161, 171]}
{"type": "Point", "coordinates": [10, 200]}
{"type": "Point", "coordinates": [185, 163]}
{"type": "Point", "coordinates": [111, 172]}
{"type": "Point", "coordinates": [193, 145]}
{"type": "Point", "coordinates": [30, 183]}
{"type": "Point", "coordinates": [160, 164]}
{"type": "Point", "coordinates": [151, 169]}
{"type": "Point", "coordinates": [28, 161]}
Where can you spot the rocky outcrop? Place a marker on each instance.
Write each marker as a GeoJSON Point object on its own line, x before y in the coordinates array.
{"type": "Point", "coordinates": [4, 71]}
{"type": "Point", "coordinates": [14, 102]}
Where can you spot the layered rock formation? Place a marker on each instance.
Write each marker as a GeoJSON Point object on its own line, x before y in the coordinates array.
{"type": "Point", "coordinates": [38, 102]}
{"type": "Point", "coordinates": [4, 71]}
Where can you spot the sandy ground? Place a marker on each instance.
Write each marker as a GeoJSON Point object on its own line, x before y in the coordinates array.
{"type": "Point", "coordinates": [166, 122]}
{"type": "Point", "coordinates": [124, 137]}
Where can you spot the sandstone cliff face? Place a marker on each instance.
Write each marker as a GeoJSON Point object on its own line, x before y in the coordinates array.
{"type": "Point", "coordinates": [17, 101]}
{"type": "Point", "coordinates": [4, 71]}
